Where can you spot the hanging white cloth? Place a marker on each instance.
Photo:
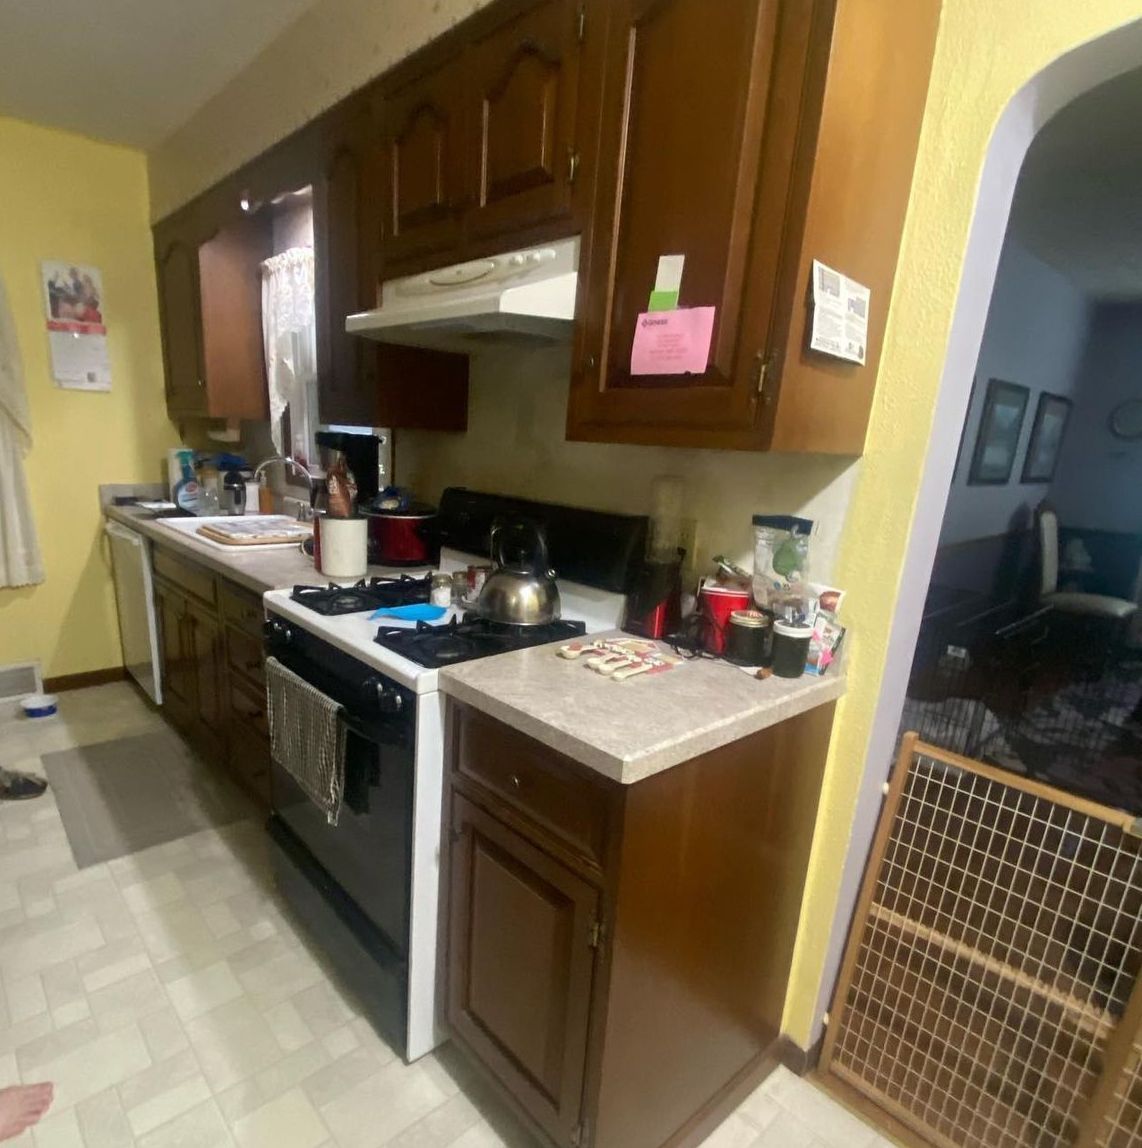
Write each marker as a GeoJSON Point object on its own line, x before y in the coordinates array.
{"type": "Point", "coordinates": [290, 336]}
{"type": "Point", "coordinates": [20, 561]}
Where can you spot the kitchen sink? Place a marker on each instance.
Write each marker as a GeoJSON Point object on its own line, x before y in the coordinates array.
{"type": "Point", "coordinates": [249, 525]}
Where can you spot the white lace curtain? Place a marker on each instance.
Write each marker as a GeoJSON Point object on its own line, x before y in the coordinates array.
{"type": "Point", "coordinates": [290, 335]}
{"type": "Point", "coordinates": [20, 561]}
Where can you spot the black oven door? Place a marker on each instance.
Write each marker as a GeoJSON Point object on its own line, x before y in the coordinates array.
{"type": "Point", "coordinates": [367, 854]}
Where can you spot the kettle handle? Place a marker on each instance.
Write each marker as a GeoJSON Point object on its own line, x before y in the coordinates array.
{"type": "Point", "coordinates": [501, 530]}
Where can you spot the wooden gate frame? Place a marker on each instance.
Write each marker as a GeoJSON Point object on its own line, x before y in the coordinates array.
{"type": "Point", "coordinates": [1123, 1048]}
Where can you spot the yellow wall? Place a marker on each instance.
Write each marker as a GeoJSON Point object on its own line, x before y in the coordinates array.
{"type": "Point", "coordinates": [64, 197]}
{"type": "Point", "coordinates": [985, 53]}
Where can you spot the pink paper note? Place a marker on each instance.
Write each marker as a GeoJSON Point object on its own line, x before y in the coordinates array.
{"type": "Point", "coordinates": [672, 342]}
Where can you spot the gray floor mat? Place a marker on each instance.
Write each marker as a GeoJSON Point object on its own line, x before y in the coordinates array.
{"type": "Point", "coordinates": [117, 797]}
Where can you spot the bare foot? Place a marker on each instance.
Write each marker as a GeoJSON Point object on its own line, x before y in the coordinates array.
{"type": "Point", "coordinates": [21, 1106]}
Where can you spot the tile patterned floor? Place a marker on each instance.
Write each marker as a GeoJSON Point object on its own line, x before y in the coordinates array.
{"type": "Point", "coordinates": [169, 999]}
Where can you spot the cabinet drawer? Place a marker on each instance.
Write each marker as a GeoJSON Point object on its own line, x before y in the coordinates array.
{"type": "Point", "coordinates": [243, 608]}
{"type": "Point", "coordinates": [533, 780]}
{"type": "Point", "coordinates": [193, 579]}
{"type": "Point", "coordinates": [244, 655]}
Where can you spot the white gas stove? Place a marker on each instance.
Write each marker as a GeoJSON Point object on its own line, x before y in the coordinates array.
{"type": "Point", "coordinates": [377, 872]}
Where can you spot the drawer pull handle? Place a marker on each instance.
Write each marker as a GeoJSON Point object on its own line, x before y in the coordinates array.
{"type": "Point", "coordinates": [515, 780]}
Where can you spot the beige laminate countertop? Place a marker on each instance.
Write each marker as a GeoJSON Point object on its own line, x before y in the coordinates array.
{"type": "Point", "coordinates": [631, 730]}
{"type": "Point", "coordinates": [259, 570]}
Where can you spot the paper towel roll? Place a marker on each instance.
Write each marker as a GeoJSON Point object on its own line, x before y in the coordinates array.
{"type": "Point", "coordinates": [343, 544]}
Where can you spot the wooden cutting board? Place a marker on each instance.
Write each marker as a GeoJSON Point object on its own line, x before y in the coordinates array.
{"type": "Point", "coordinates": [255, 535]}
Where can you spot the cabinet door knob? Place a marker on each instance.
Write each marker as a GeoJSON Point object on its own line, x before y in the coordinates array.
{"type": "Point", "coordinates": [515, 781]}
{"type": "Point", "coordinates": [200, 382]}
{"type": "Point", "coordinates": [590, 362]}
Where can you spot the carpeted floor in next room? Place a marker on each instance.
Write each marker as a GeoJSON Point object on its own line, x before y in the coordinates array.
{"type": "Point", "coordinates": [167, 995]}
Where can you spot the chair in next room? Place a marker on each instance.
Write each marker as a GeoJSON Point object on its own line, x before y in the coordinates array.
{"type": "Point", "coordinates": [1094, 624]}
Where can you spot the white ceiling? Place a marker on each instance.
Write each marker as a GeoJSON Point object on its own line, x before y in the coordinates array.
{"type": "Point", "coordinates": [1078, 204]}
{"type": "Point", "coordinates": [128, 71]}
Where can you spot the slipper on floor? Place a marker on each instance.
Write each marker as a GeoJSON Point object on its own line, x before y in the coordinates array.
{"type": "Point", "coordinates": [20, 786]}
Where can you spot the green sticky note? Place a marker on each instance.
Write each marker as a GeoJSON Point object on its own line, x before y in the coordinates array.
{"type": "Point", "coordinates": [663, 301]}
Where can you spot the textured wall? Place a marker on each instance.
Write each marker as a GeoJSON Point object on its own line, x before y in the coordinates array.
{"type": "Point", "coordinates": [1036, 334]}
{"type": "Point", "coordinates": [335, 48]}
{"type": "Point", "coordinates": [515, 445]}
{"type": "Point", "coordinates": [1099, 477]}
{"type": "Point", "coordinates": [64, 197]}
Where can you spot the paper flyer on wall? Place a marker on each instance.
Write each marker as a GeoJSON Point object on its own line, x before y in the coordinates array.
{"type": "Point", "coordinates": [77, 331]}
{"type": "Point", "coordinates": [840, 315]}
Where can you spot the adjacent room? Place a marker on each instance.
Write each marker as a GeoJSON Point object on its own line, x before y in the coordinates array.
{"type": "Point", "coordinates": [1030, 651]}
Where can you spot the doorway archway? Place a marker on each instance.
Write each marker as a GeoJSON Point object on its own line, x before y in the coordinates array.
{"type": "Point", "coordinates": [1060, 82]}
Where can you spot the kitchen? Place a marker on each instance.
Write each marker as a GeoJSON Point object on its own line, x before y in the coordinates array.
{"type": "Point", "coordinates": [576, 472]}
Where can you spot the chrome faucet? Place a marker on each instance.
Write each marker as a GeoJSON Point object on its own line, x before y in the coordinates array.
{"type": "Point", "coordinates": [304, 512]}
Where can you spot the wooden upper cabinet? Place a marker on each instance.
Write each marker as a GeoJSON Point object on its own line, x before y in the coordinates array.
{"type": "Point", "coordinates": [423, 191]}
{"type": "Point", "coordinates": [522, 98]}
{"type": "Point", "coordinates": [346, 227]}
{"type": "Point", "coordinates": [210, 311]}
{"type": "Point", "coordinates": [176, 266]}
{"type": "Point", "coordinates": [230, 286]}
{"type": "Point", "coordinates": [700, 130]}
{"type": "Point", "coordinates": [752, 137]}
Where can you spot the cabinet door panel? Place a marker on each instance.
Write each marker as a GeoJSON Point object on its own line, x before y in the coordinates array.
{"type": "Point", "coordinates": [346, 236]}
{"type": "Point", "coordinates": [229, 273]}
{"type": "Point", "coordinates": [204, 650]}
{"type": "Point", "coordinates": [705, 176]}
{"type": "Point", "coordinates": [520, 965]}
{"type": "Point", "coordinates": [424, 167]}
{"type": "Point", "coordinates": [178, 683]}
{"type": "Point", "coordinates": [523, 86]}
{"type": "Point", "coordinates": [176, 265]}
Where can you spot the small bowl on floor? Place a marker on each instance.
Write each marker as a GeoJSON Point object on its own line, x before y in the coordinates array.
{"type": "Point", "coordinates": [39, 705]}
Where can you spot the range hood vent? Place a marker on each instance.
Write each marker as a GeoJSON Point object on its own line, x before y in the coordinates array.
{"type": "Point", "coordinates": [521, 298]}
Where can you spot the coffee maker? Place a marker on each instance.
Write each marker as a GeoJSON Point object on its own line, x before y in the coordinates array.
{"type": "Point", "coordinates": [366, 454]}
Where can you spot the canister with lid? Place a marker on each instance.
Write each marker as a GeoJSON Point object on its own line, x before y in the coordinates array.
{"type": "Point", "coordinates": [748, 638]}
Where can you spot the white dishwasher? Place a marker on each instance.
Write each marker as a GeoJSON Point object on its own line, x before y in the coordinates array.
{"type": "Point", "coordinates": [134, 594]}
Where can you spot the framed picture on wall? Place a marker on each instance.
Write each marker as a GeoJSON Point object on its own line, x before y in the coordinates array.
{"type": "Point", "coordinates": [964, 428]}
{"type": "Point", "coordinates": [997, 441]}
{"type": "Point", "coordinates": [1046, 438]}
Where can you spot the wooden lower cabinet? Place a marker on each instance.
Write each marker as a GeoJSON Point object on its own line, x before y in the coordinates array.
{"type": "Point", "coordinates": [523, 965]}
{"type": "Point", "coordinates": [212, 665]}
{"type": "Point", "coordinates": [178, 682]}
{"type": "Point", "coordinates": [204, 648]}
{"type": "Point", "coordinates": [618, 956]}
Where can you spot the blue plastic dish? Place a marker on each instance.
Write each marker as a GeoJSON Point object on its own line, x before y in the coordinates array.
{"type": "Point", "coordinates": [39, 705]}
{"type": "Point", "coordinates": [419, 612]}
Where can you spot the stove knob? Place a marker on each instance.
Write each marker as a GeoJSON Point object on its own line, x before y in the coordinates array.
{"type": "Point", "coordinates": [386, 699]}
{"type": "Point", "coordinates": [282, 631]}
{"type": "Point", "coordinates": [389, 701]}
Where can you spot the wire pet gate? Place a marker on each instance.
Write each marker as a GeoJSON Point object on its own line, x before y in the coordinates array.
{"type": "Point", "coordinates": [987, 995]}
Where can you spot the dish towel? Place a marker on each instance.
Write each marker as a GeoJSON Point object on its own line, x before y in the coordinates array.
{"type": "Point", "coordinates": [307, 737]}
{"type": "Point", "coordinates": [20, 562]}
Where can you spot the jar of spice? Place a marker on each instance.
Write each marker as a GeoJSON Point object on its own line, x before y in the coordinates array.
{"type": "Point", "coordinates": [440, 590]}
{"type": "Point", "coordinates": [748, 638]}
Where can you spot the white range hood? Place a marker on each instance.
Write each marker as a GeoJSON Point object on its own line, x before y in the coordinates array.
{"type": "Point", "coordinates": [523, 297]}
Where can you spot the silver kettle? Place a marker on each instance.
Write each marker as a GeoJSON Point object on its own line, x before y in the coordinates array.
{"type": "Point", "coordinates": [523, 591]}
